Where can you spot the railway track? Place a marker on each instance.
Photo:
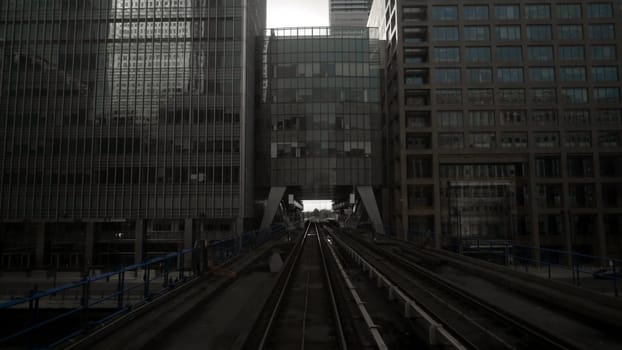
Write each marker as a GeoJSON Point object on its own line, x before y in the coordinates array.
{"type": "Point", "coordinates": [475, 322]}
{"type": "Point", "coordinates": [304, 314]}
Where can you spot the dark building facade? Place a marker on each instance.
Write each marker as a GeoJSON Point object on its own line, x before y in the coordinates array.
{"type": "Point", "coordinates": [505, 121]}
{"type": "Point", "coordinates": [348, 13]}
{"type": "Point", "coordinates": [320, 114]}
{"type": "Point", "coordinates": [127, 127]}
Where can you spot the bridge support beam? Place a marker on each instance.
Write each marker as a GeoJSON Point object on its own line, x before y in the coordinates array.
{"type": "Point", "coordinates": [274, 198]}
{"type": "Point", "coordinates": [139, 239]}
{"type": "Point", "coordinates": [371, 206]}
{"type": "Point", "coordinates": [39, 244]}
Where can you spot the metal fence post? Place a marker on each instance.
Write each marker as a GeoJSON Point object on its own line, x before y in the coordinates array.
{"type": "Point", "coordinates": [146, 281]}
{"type": "Point", "coordinates": [181, 266]}
{"type": "Point", "coordinates": [120, 289]}
{"type": "Point", "coordinates": [615, 278]}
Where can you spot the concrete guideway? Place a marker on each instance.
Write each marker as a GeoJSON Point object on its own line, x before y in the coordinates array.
{"type": "Point", "coordinates": [141, 327]}
{"type": "Point", "coordinates": [552, 315]}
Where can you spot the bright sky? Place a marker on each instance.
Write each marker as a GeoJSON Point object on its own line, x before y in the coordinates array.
{"type": "Point", "coordinates": [317, 204]}
{"type": "Point", "coordinates": [297, 13]}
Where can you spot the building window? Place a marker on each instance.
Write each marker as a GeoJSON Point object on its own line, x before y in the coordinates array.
{"type": "Point", "coordinates": [574, 95]}
{"type": "Point", "coordinates": [548, 166]}
{"type": "Point", "coordinates": [581, 196]}
{"type": "Point", "coordinates": [509, 54]}
{"type": "Point", "coordinates": [507, 12]}
{"type": "Point", "coordinates": [445, 33]}
{"type": "Point", "coordinates": [539, 32]}
{"type": "Point", "coordinates": [569, 11]}
{"type": "Point", "coordinates": [540, 53]}
{"type": "Point", "coordinates": [599, 11]}
{"type": "Point", "coordinates": [571, 53]}
{"type": "Point", "coordinates": [475, 12]}
{"type": "Point", "coordinates": [418, 141]}
{"type": "Point", "coordinates": [609, 73]}
{"type": "Point", "coordinates": [510, 75]}
{"type": "Point", "coordinates": [450, 119]}
{"type": "Point", "coordinates": [576, 117]}
{"type": "Point", "coordinates": [542, 74]}
{"type": "Point", "coordinates": [479, 75]}
{"type": "Point", "coordinates": [477, 54]}
{"type": "Point", "coordinates": [418, 119]}
{"type": "Point", "coordinates": [512, 118]}
{"type": "Point", "coordinates": [608, 117]}
{"type": "Point", "coordinates": [444, 13]}
{"type": "Point", "coordinates": [570, 32]}
{"type": "Point", "coordinates": [537, 11]}
{"type": "Point", "coordinates": [446, 54]}
{"type": "Point", "coordinates": [476, 33]}
{"type": "Point", "coordinates": [514, 140]}
{"type": "Point", "coordinates": [601, 31]}
{"type": "Point", "coordinates": [606, 94]}
{"type": "Point", "coordinates": [418, 166]}
{"type": "Point", "coordinates": [481, 118]}
{"type": "Point", "coordinates": [580, 166]}
{"type": "Point", "coordinates": [447, 75]}
{"type": "Point", "coordinates": [448, 96]}
{"type": "Point", "coordinates": [479, 96]}
{"type": "Point", "coordinates": [603, 52]}
{"type": "Point", "coordinates": [451, 140]}
{"type": "Point", "coordinates": [544, 118]}
{"type": "Point", "coordinates": [543, 95]}
{"type": "Point", "coordinates": [548, 139]}
{"type": "Point", "coordinates": [609, 138]}
{"type": "Point", "coordinates": [508, 32]}
{"type": "Point", "coordinates": [578, 139]}
{"type": "Point", "coordinates": [420, 196]}
{"type": "Point", "coordinates": [482, 140]}
{"type": "Point", "coordinates": [572, 73]}
{"type": "Point", "coordinates": [511, 96]}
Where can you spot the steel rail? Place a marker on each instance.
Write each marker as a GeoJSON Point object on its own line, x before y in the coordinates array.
{"type": "Point", "coordinates": [551, 340]}
{"type": "Point", "coordinates": [279, 302]}
{"type": "Point", "coordinates": [371, 326]}
{"type": "Point", "coordinates": [331, 292]}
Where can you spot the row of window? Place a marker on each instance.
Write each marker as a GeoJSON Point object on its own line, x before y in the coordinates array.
{"type": "Point", "coordinates": [119, 146]}
{"type": "Point", "coordinates": [129, 175]}
{"type": "Point", "coordinates": [456, 119]}
{"type": "Point", "coordinates": [514, 74]}
{"type": "Point", "coordinates": [542, 117]}
{"type": "Point", "coordinates": [488, 140]}
{"type": "Point", "coordinates": [515, 53]}
{"type": "Point", "coordinates": [570, 95]}
{"type": "Point", "coordinates": [530, 11]}
{"type": "Point", "coordinates": [537, 32]}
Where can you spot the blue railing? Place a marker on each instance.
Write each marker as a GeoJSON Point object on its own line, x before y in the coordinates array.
{"type": "Point", "coordinates": [599, 273]}
{"type": "Point", "coordinates": [56, 318]}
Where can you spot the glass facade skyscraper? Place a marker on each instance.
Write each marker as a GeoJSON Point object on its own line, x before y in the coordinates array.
{"type": "Point", "coordinates": [320, 117]}
{"type": "Point", "coordinates": [126, 126]}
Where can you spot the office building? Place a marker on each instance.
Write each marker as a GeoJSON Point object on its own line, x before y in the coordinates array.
{"type": "Point", "coordinates": [319, 119]}
{"type": "Point", "coordinates": [348, 13]}
{"type": "Point", "coordinates": [505, 121]}
{"type": "Point", "coordinates": [127, 127]}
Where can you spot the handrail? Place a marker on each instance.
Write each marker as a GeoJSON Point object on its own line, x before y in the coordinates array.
{"type": "Point", "coordinates": [157, 279]}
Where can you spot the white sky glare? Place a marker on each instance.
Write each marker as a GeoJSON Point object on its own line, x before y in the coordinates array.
{"type": "Point", "coordinates": [297, 13]}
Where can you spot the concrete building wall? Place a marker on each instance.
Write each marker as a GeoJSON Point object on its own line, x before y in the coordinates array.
{"type": "Point", "coordinates": [521, 93]}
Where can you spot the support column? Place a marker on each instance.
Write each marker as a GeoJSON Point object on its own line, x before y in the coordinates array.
{"type": "Point", "coordinates": [40, 243]}
{"type": "Point", "coordinates": [274, 198]}
{"type": "Point", "coordinates": [369, 201]}
{"type": "Point", "coordinates": [534, 240]}
{"type": "Point", "coordinates": [89, 242]}
{"type": "Point", "coordinates": [188, 233]}
{"type": "Point", "coordinates": [139, 242]}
